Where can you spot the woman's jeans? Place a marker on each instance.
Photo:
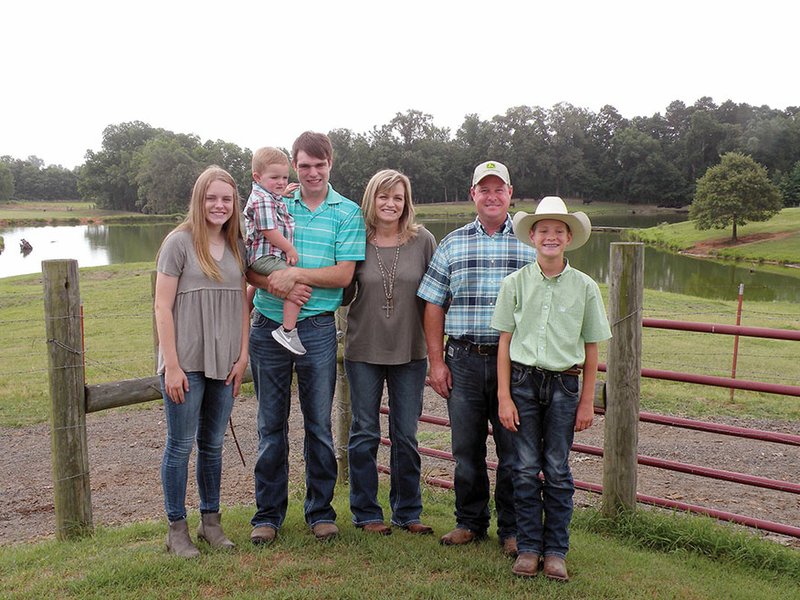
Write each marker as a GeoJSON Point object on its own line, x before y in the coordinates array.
{"type": "Point", "coordinates": [472, 405]}
{"type": "Point", "coordinates": [405, 384]}
{"type": "Point", "coordinates": [547, 404]}
{"type": "Point", "coordinates": [272, 367]}
{"type": "Point", "coordinates": [203, 416]}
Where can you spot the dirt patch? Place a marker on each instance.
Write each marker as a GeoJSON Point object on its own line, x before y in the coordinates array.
{"type": "Point", "coordinates": [708, 248]}
{"type": "Point", "coordinates": [125, 450]}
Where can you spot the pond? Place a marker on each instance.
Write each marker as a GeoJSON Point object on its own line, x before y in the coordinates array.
{"type": "Point", "coordinates": [97, 245]}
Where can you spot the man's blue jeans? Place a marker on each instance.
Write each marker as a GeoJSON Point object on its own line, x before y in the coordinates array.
{"type": "Point", "coordinates": [272, 367]}
{"type": "Point", "coordinates": [405, 384]}
{"type": "Point", "coordinates": [547, 404]}
{"type": "Point", "coordinates": [471, 406]}
{"type": "Point", "coordinates": [203, 415]}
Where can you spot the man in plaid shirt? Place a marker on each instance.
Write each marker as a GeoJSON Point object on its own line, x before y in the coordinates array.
{"type": "Point", "coordinates": [460, 289]}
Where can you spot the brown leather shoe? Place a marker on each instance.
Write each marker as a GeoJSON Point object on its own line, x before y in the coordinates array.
{"type": "Point", "coordinates": [509, 546]}
{"type": "Point", "coordinates": [555, 568]}
{"type": "Point", "coordinates": [418, 529]}
{"type": "Point", "coordinates": [458, 537]}
{"type": "Point", "coordinates": [526, 565]}
{"type": "Point", "coordinates": [378, 528]}
{"type": "Point", "coordinates": [325, 531]}
{"type": "Point", "coordinates": [262, 535]}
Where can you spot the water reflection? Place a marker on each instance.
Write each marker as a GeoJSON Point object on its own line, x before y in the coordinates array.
{"type": "Point", "coordinates": [90, 245]}
{"type": "Point", "coordinates": [96, 245]}
{"type": "Point", "coordinates": [127, 243]}
{"type": "Point", "coordinates": [665, 271]}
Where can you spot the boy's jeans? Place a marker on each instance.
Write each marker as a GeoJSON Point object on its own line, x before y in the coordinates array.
{"type": "Point", "coordinates": [547, 403]}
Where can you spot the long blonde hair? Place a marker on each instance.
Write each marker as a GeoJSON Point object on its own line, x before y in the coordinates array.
{"type": "Point", "coordinates": [195, 221]}
{"type": "Point", "coordinates": [384, 181]}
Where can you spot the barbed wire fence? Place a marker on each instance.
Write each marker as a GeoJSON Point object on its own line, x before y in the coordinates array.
{"type": "Point", "coordinates": [118, 345]}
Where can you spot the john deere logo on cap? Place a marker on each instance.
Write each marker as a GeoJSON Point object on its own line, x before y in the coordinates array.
{"type": "Point", "coordinates": [490, 166]}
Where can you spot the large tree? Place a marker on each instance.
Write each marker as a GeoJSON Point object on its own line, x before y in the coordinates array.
{"type": "Point", "coordinates": [733, 193]}
{"type": "Point", "coordinates": [33, 181]}
{"type": "Point", "coordinates": [165, 174]}
{"type": "Point", "coordinates": [109, 176]}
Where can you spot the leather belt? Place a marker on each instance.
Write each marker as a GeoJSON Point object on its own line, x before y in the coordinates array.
{"type": "Point", "coordinates": [482, 349]}
{"type": "Point", "coordinates": [573, 370]}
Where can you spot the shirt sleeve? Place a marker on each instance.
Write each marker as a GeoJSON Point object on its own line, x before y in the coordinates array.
{"type": "Point", "coordinates": [503, 317]}
{"type": "Point", "coordinates": [595, 321]}
{"type": "Point", "coordinates": [435, 284]}
{"type": "Point", "coordinates": [351, 237]}
{"type": "Point", "coordinates": [172, 256]}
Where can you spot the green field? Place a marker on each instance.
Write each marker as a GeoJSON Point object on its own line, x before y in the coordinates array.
{"type": "Point", "coordinates": [117, 306]}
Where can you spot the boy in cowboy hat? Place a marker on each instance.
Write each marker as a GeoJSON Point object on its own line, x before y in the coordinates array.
{"type": "Point", "coordinates": [550, 317]}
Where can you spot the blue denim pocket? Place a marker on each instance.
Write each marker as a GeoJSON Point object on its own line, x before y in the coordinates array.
{"type": "Point", "coordinates": [519, 375]}
{"type": "Point", "coordinates": [259, 320]}
{"type": "Point", "coordinates": [570, 384]}
{"type": "Point", "coordinates": [322, 321]}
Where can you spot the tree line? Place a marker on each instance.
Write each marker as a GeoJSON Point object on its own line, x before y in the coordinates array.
{"type": "Point", "coordinates": [564, 150]}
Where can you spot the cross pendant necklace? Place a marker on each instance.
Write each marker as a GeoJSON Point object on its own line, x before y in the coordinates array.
{"type": "Point", "coordinates": [388, 307]}
{"type": "Point", "coordinates": [388, 278]}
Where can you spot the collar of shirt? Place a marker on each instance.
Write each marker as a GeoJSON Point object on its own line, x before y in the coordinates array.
{"type": "Point", "coordinates": [506, 227]}
{"type": "Point", "coordinates": [332, 197]}
{"type": "Point", "coordinates": [257, 188]}
{"type": "Point", "coordinates": [564, 270]}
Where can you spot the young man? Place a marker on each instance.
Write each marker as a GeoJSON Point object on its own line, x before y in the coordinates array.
{"type": "Point", "coordinates": [460, 288]}
{"type": "Point", "coordinates": [550, 317]}
{"type": "Point", "coordinates": [330, 238]}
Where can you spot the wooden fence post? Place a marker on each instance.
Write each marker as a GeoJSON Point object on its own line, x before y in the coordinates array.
{"type": "Point", "coordinates": [70, 454]}
{"type": "Point", "coordinates": [342, 413]}
{"type": "Point", "coordinates": [621, 433]}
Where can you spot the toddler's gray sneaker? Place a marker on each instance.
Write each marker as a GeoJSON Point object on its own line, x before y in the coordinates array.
{"type": "Point", "coordinates": [289, 340]}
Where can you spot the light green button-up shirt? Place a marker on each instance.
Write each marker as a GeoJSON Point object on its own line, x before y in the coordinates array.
{"type": "Point", "coordinates": [550, 319]}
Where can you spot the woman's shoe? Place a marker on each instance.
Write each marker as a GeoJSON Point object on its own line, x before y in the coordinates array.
{"type": "Point", "coordinates": [210, 530]}
{"type": "Point", "coordinates": [178, 541]}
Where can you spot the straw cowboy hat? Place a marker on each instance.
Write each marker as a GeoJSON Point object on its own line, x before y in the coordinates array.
{"type": "Point", "coordinates": [553, 207]}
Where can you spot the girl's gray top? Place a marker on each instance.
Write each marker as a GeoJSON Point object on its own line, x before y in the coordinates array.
{"type": "Point", "coordinates": [207, 313]}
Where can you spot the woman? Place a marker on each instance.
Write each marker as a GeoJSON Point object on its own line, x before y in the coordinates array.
{"type": "Point", "coordinates": [202, 324]}
{"type": "Point", "coordinates": [385, 343]}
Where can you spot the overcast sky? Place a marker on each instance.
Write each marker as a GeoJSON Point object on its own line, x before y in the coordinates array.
{"type": "Point", "coordinates": [260, 73]}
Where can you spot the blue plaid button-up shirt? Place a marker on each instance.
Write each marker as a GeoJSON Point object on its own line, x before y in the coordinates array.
{"type": "Point", "coordinates": [465, 274]}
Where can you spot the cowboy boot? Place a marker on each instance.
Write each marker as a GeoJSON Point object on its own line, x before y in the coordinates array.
{"type": "Point", "coordinates": [178, 541]}
{"type": "Point", "coordinates": [210, 530]}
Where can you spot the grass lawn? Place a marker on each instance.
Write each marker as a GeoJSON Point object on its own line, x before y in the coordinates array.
{"type": "Point", "coordinates": [648, 555]}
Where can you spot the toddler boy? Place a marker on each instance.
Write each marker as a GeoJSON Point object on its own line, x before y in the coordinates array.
{"type": "Point", "coordinates": [270, 232]}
